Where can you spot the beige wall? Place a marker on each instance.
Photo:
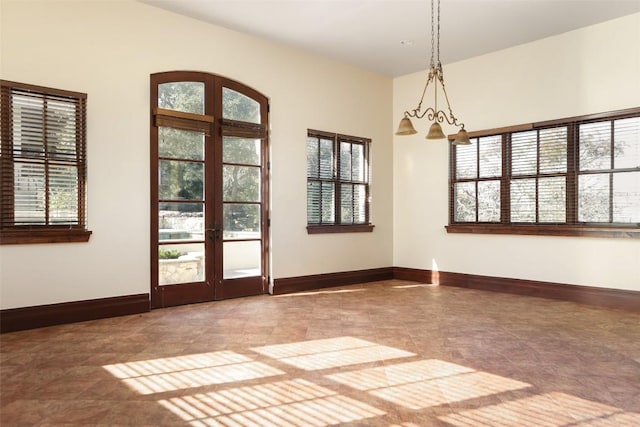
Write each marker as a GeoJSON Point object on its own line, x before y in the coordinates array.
{"type": "Point", "coordinates": [591, 70]}
{"type": "Point", "coordinates": [108, 49]}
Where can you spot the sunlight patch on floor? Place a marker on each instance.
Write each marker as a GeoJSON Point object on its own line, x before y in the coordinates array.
{"type": "Point", "coordinates": [426, 383]}
{"type": "Point", "coordinates": [330, 353]}
{"type": "Point", "coordinates": [283, 404]}
{"type": "Point", "coordinates": [176, 373]}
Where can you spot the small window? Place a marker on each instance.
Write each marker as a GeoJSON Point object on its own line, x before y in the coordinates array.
{"type": "Point", "coordinates": [337, 183]}
{"type": "Point", "coordinates": [43, 165]}
{"type": "Point", "coordinates": [576, 177]}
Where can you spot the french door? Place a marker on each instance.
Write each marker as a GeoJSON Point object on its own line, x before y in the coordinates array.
{"type": "Point", "coordinates": [209, 183]}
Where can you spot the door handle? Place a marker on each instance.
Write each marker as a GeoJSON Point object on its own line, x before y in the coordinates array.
{"type": "Point", "coordinates": [214, 233]}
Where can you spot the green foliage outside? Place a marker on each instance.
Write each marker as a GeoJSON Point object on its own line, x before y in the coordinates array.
{"type": "Point", "coordinates": [169, 253]}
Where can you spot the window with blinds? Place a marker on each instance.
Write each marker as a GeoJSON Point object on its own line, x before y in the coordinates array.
{"type": "Point", "coordinates": [43, 165]}
{"type": "Point", "coordinates": [578, 176]}
{"type": "Point", "coordinates": [337, 183]}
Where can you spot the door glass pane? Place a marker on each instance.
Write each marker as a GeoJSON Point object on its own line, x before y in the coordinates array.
{"type": "Point", "coordinates": [242, 259]}
{"type": "Point", "coordinates": [182, 96]}
{"type": "Point", "coordinates": [523, 200]}
{"type": "Point", "coordinates": [241, 150]}
{"type": "Point", "coordinates": [181, 180]}
{"type": "Point", "coordinates": [240, 183]}
{"type": "Point", "coordinates": [181, 221]}
{"type": "Point", "coordinates": [180, 144]}
{"type": "Point", "coordinates": [237, 106]}
{"type": "Point", "coordinates": [241, 221]}
{"type": "Point", "coordinates": [593, 198]}
{"type": "Point", "coordinates": [181, 263]}
{"type": "Point", "coordinates": [465, 200]}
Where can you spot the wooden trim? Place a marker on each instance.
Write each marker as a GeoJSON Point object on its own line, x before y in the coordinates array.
{"type": "Point", "coordinates": [43, 89]}
{"type": "Point", "coordinates": [18, 319]}
{"type": "Point", "coordinates": [546, 230]}
{"type": "Point", "coordinates": [340, 228]}
{"type": "Point", "coordinates": [611, 115]}
{"type": "Point", "coordinates": [182, 115]}
{"type": "Point", "coordinates": [31, 235]}
{"type": "Point", "coordinates": [319, 281]}
{"type": "Point", "coordinates": [602, 297]}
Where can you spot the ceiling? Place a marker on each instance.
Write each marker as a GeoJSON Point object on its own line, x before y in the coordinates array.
{"type": "Point", "coordinates": [370, 33]}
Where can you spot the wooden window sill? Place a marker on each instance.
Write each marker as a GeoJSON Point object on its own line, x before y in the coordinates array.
{"type": "Point", "coordinates": [324, 229]}
{"type": "Point", "coordinates": [20, 237]}
{"type": "Point", "coordinates": [546, 230]}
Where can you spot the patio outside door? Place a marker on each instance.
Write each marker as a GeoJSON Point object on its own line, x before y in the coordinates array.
{"type": "Point", "coordinates": [209, 176]}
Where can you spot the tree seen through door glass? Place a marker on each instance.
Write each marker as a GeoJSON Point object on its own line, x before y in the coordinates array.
{"type": "Point", "coordinates": [236, 106]}
{"type": "Point", "coordinates": [240, 183]}
{"type": "Point", "coordinates": [187, 97]}
{"type": "Point", "coordinates": [241, 221]}
{"type": "Point", "coordinates": [180, 144]}
{"type": "Point", "coordinates": [244, 151]}
{"type": "Point", "coordinates": [181, 180]}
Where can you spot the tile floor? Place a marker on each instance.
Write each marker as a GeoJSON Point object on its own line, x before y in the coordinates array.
{"type": "Point", "coordinates": [392, 354]}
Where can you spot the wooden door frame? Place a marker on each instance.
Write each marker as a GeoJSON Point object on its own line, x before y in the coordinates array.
{"type": "Point", "coordinates": [214, 283]}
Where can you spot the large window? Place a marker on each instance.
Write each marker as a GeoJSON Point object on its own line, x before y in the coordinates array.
{"type": "Point", "coordinates": [577, 176]}
{"type": "Point", "coordinates": [337, 183]}
{"type": "Point", "coordinates": [42, 165]}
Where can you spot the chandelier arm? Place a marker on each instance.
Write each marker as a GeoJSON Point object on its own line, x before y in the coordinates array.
{"type": "Point", "coordinates": [452, 120]}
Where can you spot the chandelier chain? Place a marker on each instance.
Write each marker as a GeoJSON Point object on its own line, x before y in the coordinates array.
{"type": "Point", "coordinates": [438, 33]}
{"type": "Point", "coordinates": [432, 37]}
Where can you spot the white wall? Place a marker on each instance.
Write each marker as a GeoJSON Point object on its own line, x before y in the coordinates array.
{"type": "Point", "coordinates": [108, 49]}
{"type": "Point", "coordinates": [591, 70]}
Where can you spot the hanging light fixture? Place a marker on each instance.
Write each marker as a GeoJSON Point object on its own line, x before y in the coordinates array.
{"type": "Point", "coordinates": [433, 114]}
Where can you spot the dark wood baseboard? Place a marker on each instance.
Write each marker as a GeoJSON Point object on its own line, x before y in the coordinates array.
{"type": "Point", "coordinates": [18, 319]}
{"type": "Point", "coordinates": [318, 281]}
{"type": "Point", "coordinates": [603, 297]}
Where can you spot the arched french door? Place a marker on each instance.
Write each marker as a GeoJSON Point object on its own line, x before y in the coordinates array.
{"type": "Point", "coordinates": [209, 184]}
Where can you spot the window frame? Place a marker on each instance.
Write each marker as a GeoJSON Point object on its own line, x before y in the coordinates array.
{"type": "Point", "coordinates": [572, 226]}
{"type": "Point", "coordinates": [10, 232]}
{"type": "Point", "coordinates": [337, 226]}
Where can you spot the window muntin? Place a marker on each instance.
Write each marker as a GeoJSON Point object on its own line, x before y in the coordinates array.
{"type": "Point", "coordinates": [579, 174]}
{"type": "Point", "coordinates": [337, 181]}
{"type": "Point", "coordinates": [43, 165]}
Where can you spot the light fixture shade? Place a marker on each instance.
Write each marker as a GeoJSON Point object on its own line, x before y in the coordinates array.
{"type": "Point", "coordinates": [435, 131]}
{"type": "Point", "coordinates": [462, 138]}
{"type": "Point", "coordinates": [406, 127]}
